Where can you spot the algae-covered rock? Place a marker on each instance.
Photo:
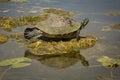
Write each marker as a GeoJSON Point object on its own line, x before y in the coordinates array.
{"type": "Point", "coordinates": [59, 61]}
{"type": "Point", "coordinates": [3, 38]}
{"type": "Point", "coordinates": [42, 47]}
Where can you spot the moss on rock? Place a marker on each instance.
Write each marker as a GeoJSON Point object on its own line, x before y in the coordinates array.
{"type": "Point", "coordinates": [42, 47]}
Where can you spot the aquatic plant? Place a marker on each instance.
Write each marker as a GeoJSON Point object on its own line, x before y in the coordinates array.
{"type": "Point", "coordinates": [59, 12]}
{"type": "Point", "coordinates": [3, 38]}
{"type": "Point", "coordinates": [113, 13]}
{"type": "Point", "coordinates": [116, 26]}
{"type": "Point", "coordinates": [32, 20]}
{"type": "Point", "coordinates": [109, 62]}
{"type": "Point", "coordinates": [18, 37]}
{"type": "Point", "coordinates": [7, 23]}
{"type": "Point", "coordinates": [14, 63]}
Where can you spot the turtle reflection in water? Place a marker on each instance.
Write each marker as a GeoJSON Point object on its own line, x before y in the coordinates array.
{"type": "Point", "coordinates": [59, 61]}
{"type": "Point", "coordinates": [60, 27]}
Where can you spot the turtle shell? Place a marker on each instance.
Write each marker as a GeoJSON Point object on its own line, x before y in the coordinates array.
{"type": "Point", "coordinates": [58, 25]}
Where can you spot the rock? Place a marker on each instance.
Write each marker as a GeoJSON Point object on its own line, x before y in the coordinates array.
{"type": "Point", "coordinates": [58, 48]}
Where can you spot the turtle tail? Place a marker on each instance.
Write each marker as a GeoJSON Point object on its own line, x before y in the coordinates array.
{"type": "Point", "coordinates": [31, 32]}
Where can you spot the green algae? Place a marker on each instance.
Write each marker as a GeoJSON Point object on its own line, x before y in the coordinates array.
{"type": "Point", "coordinates": [62, 47]}
{"type": "Point", "coordinates": [3, 38]}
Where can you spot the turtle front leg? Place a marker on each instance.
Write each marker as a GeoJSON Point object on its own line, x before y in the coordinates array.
{"type": "Point", "coordinates": [77, 35]}
{"type": "Point", "coordinates": [31, 32]}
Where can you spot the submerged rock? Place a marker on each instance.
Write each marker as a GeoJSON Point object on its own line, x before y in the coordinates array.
{"type": "Point", "coordinates": [3, 38]}
{"type": "Point", "coordinates": [62, 47]}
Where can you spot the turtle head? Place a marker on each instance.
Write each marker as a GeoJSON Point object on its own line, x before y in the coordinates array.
{"type": "Point", "coordinates": [84, 23]}
{"type": "Point", "coordinates": [31, 32]}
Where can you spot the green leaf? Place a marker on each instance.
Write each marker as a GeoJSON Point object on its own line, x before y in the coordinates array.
{"type": "Point", "coordinates": [109, 62]}
{"type": "Point", "coordinates": [20, 65]}
{"type": "Point", "coordinates": [13, 61]}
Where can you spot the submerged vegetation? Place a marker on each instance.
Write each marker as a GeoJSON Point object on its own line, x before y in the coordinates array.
{"type": "Point", "coordinates": [3, 38]}
{"type": "Point", "coordinates": [109, 62]}
{"type": "Point", "coordinates": [59, 12]}
{"type": "Point", "coordinates": [14, 63]}
{"type": "Point", "coordinates": [32, 20]}
{"type": "Point", "coordinates": [7, 23]}
{"type": "Point", "coordinates": [114, 26]}
{"type": "Point", "coordinates": [114, 13]}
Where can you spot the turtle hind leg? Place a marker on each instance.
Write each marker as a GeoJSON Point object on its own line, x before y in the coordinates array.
{"type": "Point", "coordinates": [31, 32]}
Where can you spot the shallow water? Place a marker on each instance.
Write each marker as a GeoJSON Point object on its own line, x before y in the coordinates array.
{"type": "Point", "coordinates": [96, 11]}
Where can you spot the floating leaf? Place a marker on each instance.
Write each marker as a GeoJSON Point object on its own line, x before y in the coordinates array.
{"type": "Point", "coordinates": [20, 65]}
{"type": "Point", "coordinates": [13, 61]}
{"type": "Point", "coordinates": [109, 62]}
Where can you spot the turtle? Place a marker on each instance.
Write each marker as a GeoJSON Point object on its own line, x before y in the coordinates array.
{"type": "Point", "coordinates": [60, 27]}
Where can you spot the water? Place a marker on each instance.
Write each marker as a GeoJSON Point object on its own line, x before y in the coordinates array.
{"type": "Point", "coordinates": [96, 11]}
